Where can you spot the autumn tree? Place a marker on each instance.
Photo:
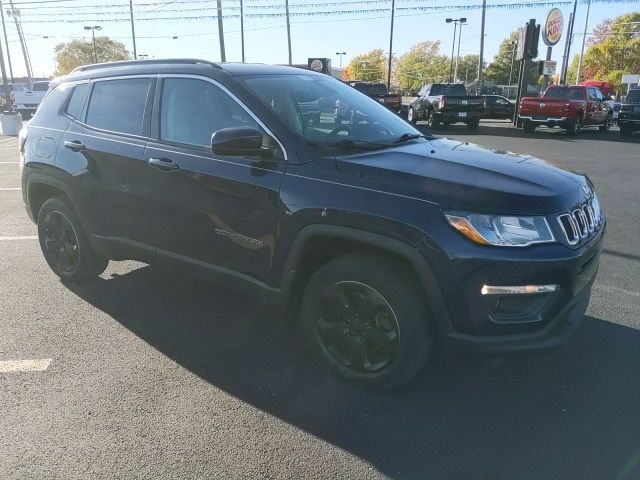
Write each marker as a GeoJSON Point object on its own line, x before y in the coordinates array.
{"type": "Point", "coordinates": [369, 67]}
{"type": "Point", "coordinates": [75, 53]}
{"type": "Point", "coordinates": [617, 53]}
{"type": "Point", "coordinates": [468, 68]}
{"type": "Point", "coordinates": [422, 64]}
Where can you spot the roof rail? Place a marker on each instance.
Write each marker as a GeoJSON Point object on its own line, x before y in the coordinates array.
{"type": "Point", "coordinates": [172, 61]}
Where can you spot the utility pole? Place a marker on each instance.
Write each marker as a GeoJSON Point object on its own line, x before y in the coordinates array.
{"type": "Point", "coordinates": [15, 13]}
{"type": "Point", "coordinates": [453, 46]}
{"type": "Point", "coordinates": [567, 46]}
{"type": "Point", "coordinates": [133, 30]}
{"type": "Point", "coordinates": [6, 41]}
{"type": "Point", "coordinates": [286, 7]}
{"type": "Point", "coordinates": [242, 29]}
{"type": "Point", "coordinates": [393, 11]}
{"type": "Point", "coordinates": [481, 59]}
{"type": "Point", "coordinates": [223, 57]}
{"type": "Point", "coordinates": [513, 57]}
{"type": "Point", "coordinates": [584, 38]}
{"type": "Point", "coordinates": [5, 84]}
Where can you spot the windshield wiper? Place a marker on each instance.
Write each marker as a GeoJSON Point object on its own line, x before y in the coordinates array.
{"type": "Point", "coordinates": [405, 137]}
{"type": "Point", "coordinates": [359, 145]}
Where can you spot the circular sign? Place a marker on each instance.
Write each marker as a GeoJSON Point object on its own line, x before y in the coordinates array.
{"type": "Point", "coordinates": [316, 65]}
{"type": "Point", "coordinates": [553, 24]}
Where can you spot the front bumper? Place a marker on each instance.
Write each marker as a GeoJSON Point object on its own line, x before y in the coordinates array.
{"type": "Point", "coordinates": [538, 322]}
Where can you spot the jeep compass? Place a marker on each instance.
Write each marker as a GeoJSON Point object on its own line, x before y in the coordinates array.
{"type": "Point", "coordinates": [383, 241]}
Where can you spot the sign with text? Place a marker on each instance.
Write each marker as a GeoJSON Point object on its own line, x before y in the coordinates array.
{"type": "Point", "coordinates": [549, 67]}
{"type": "Point", "coordinates": [553, 25]}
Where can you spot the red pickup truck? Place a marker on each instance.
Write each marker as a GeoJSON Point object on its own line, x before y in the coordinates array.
{"type": "Point", "coordinates": [568, 107]}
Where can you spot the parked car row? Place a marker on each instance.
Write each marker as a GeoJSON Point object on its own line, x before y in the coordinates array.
{"type": "Point", "coordinates": [571, 108]}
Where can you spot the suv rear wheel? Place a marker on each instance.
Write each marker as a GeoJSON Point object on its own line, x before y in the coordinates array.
{"type": "Point", "coordinates": [368, 320]}
{"type": "Point", "coordinates": [64, 243]}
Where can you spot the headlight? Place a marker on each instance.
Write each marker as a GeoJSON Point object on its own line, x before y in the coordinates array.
{"type": "Point", "coordinates": [503, 231]}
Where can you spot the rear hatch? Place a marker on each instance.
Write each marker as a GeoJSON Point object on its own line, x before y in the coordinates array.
{"type": "Point", "coordinates": [630, 109]}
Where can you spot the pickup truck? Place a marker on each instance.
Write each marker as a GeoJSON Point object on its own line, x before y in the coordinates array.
{"type": "Point", "coordinates": [27, 99]}
{"type": "Point", "coordinates": [446, 103]}
{"type": "Point", "coordinates": [569, 107]}
{"type": "Point", "coordinates": [629, 117]}
{"type": "Point", "coordinates": [380, 93]}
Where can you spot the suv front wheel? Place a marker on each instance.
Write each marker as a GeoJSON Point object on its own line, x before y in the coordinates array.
{"type": "Point", "coordinates": [64, 243]}
{"type": "Point", "coordinates": [368, 320]}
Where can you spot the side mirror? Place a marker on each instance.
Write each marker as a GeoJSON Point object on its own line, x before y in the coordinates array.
{"type": "Point", "coordinates": [237, 142]}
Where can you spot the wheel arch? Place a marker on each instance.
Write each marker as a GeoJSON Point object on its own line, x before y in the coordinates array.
{"type": "Point", "coordinates": [39, 189]}
{"type": "Point", "coordinates": [315, 245]}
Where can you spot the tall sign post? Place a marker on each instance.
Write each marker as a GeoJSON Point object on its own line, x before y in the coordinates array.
{"type": "Point", "coordinates": [527, 51]}
{"type": "Point", "coordinates": [551, 35]}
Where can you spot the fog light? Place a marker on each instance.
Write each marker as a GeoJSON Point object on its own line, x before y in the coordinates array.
{"type": "Point", "coordinates": [518, 290]}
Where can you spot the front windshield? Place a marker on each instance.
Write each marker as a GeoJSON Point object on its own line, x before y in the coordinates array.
{"type": "Point", "coordinates": [328, 114]}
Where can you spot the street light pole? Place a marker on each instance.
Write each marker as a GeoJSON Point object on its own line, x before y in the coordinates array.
{"type": "Point", "coordinates": [584, 38]}
{"type": "Point", "coordinates": [341, 54]}
{"type": "Point", "coordinates": [455, 22]}
{"type": "Point", "coordinates": [463, 21]}
{"type": "Point", "coordinates": [93, 36]}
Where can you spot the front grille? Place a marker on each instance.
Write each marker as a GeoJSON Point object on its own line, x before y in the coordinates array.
{"type": "Point", "coordinates": [582, 222]}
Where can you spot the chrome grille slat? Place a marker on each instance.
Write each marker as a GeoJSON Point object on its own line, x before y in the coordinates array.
{"type": "Point", "coordinates": [581, 223]}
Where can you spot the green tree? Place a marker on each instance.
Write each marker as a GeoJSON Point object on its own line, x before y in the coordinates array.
{"type": "Point", "coordinates": [369, 67]}
{"type": "Point", "coordinates": [503, 65]}
{"type": "Point", "coordinates": [422, 64]}
{"type": "Point", "coordinates": [468, 68]}
{"type": "Point", "coordinates": [75, 53]}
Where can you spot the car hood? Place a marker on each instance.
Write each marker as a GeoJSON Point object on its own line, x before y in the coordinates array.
{"type": "Point", "coordinates": [458, 175]}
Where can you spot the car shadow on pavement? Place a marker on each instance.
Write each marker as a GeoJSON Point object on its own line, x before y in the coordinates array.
{"type": "Point", "coordinates": [506, 130]}
{"type": "Point", "coordinates": [570, 413]}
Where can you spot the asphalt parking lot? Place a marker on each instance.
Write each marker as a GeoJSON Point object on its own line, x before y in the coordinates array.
{"type": "Point", "coordinates": [150, 374]}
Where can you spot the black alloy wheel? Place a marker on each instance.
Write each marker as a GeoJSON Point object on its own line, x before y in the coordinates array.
{"type": "Point", "coordinates": [358, 327]}
{"type": "Point", "coordinates": [368, 320]}
{"type": "Point", "coordinates": [65, 244]}
{"type": "Point", "coordinates": [60, 242]}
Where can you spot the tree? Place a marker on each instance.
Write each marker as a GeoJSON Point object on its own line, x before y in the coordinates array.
{"type": "Point", "coordinates": [617, 52]}
{"type": "Point", "coordinates": [600, 32]}
{"type": "Point", "coordinates": [75, 53]}
{"type": "Point", "coordinates": [505, 66]}
{"type": "Point", "coordinates": [369, 67]}
{"type": "Point", "coordinates": [422, 64]}
{"type": "Point", "coordinates": [468, 68]}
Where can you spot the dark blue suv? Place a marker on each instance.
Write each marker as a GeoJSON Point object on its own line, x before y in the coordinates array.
{"type": "Point", "coordinates": [383, 240]}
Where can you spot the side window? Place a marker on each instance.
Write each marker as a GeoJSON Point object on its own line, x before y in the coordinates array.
{"type": "Point", "coordinates": [591, 93]}
{"type": "Point", "coordinates": [76, 102]}
{"type": "Point", "coordinates": [598, 93]}
{"type": "Point", "coordinates": [118, 105]}
{"type": "Point", "coordinates": [436, 90]}
{"type": "Point", "coordinates": [192, 110]}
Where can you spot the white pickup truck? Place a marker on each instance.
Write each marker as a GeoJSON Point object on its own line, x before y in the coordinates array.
{"type": "Point", "coordinates": [26, 101]}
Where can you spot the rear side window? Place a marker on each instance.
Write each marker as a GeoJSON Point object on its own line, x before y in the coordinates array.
{"type": "Point", "coordinates": [76, 102]}
{"type": "Point", "coordinates": [41, 87]}
{"type": "Point", "coordinates": [634, 96]}
{"type": "Point", "coordinates": [118, 105]}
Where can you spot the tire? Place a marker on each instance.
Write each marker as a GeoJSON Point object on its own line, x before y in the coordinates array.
{"type": "Point", "coordinates": [529, 127]}
{"type": "Point", "coordinates": [65, 244]}
{"type": "Point", "coordinates": [412, 116]}
{"type": "Point", "coordinates": [377, 351]}
{"type": "Point", "coordinates": [575, 127]}
{"type": "Point", "coordinates": [473, 124]}
{"type": "Point", "coordinates": [626, 131]}
{"type": "Point", "coordinates": [607, 124]}
{"type": "Point", "coordinates": [432, 123]}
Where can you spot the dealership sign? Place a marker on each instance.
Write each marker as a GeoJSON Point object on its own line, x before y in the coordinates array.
{"type": "Point", "coordinates": [553, 24]}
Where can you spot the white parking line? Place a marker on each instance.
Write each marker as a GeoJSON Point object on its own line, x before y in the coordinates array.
{"type": "Point", "coordinates": [10, 189]}
{"type": "Point", "coordinates": [19, 237]}
{"type": "Point", "coordinates": [6, 140]}
{"type": "Point", "coordinates": [5, 163]}
{"type": "Point", "coordinates": [14, 366]}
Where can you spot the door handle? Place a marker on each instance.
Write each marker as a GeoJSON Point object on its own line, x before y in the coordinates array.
{"type": "Point", "coordinates": [164, 164]}
{"type": "Point", "coordinates": [75, 145]}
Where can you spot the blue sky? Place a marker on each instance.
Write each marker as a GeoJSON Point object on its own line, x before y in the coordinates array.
{"type": "Point", "coordinates": [265, 38]}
